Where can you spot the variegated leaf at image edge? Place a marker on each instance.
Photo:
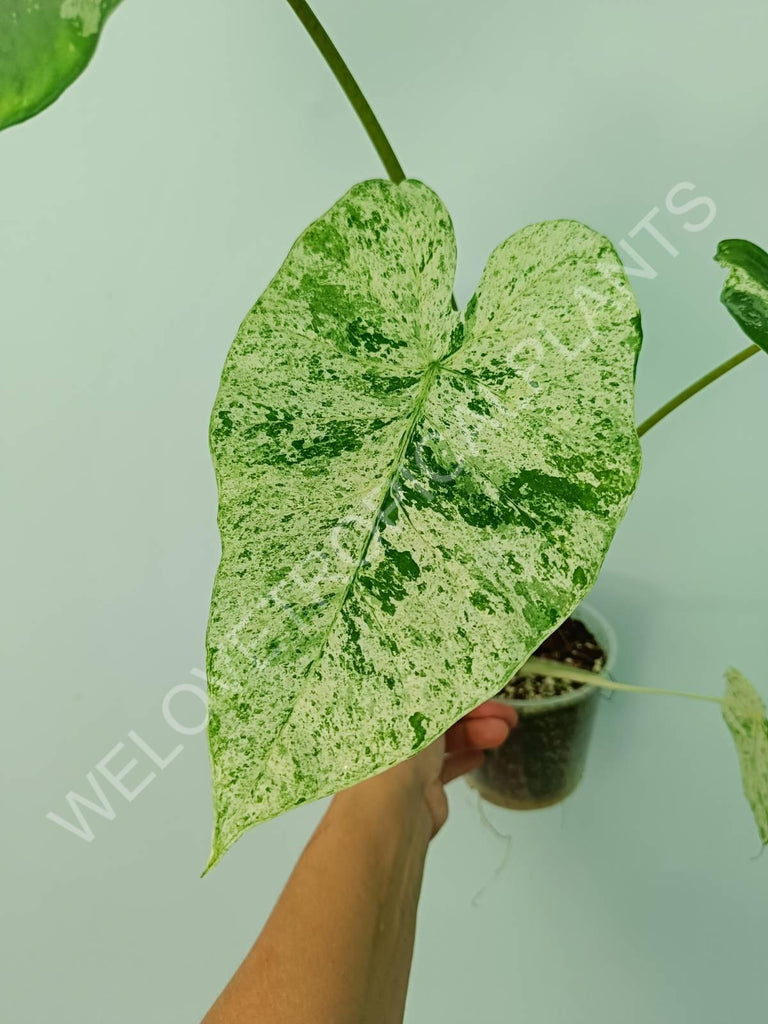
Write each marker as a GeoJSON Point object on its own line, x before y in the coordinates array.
{"type": "Point", "coordinates": [744, 713]}
{"type": "Point", "coordinates": [410, 498]}
{"type": "Point", "coordinates": [44, 46]}
{"type": "Point", "coordinates": [745, 292]}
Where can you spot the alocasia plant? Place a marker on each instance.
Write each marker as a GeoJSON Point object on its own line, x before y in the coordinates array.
{"type": "Point", "coordinates": [411, 498]}
{"type": "Point", "coordinates": [44, 46]}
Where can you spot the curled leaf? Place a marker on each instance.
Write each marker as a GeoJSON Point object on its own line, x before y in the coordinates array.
{"type": "Point", "coordinates": [410, 498]}
{"type": "Point", "coordinates": [744, 714]}
{"type": "Point", "coordinates": [44, 46]}
{"type": "Point", "coordinates": [745, 292]}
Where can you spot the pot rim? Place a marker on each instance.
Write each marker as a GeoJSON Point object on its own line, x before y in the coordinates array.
{"type": "Point", "coordinates": [603, 632]}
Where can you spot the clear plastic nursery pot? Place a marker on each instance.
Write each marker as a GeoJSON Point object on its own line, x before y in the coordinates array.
{"type": "Point", "coordinates": [543, 759]}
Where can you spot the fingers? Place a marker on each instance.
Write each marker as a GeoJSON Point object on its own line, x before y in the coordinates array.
{"type": "Point", "coordinates": [495, 709]}
{"type": "Point", "coordinates": [459, 764]}
{"type": "Point", "coordinates": [482, 729]}
{"type": "Point", "coordinates": [476, 734]}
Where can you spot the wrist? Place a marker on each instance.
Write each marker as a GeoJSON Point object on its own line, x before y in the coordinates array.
{"type": "Point", "coordinates": [395, 801]}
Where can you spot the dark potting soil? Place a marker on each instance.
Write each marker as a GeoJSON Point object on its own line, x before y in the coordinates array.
{"type": "Point", "coordinates": [571, 644]}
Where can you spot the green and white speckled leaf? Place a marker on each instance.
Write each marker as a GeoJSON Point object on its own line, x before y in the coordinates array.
{"type": "Point", "coordinates": [745, 292]}
{"type": "Point", "coordinates": [744, 713]}
{"type": "Point", "coordinates": [410, 498]}
{"type": "Point", "coordinates": [44, 46]}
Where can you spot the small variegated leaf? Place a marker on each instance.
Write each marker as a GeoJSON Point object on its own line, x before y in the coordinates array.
{"type": "Point", "coordinates": [745, 292]}
{"type": "Point", "coordinates": [410, 498]}
{"type": "Point", "coordinates": [44, 46]}
{"type": "Point", "coordinates": [744, 714]}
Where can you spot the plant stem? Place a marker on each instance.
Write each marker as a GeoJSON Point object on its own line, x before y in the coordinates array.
{"type": "Point", "coordinates": [344, 77]}
{"type": "Point", "coordinates": [693, 389]}
{"type": "Point", "coordinates": [545, 667]}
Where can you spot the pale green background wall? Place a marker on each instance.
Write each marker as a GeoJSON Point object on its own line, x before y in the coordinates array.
{"type": "Point", "coordinates": [139, 218]}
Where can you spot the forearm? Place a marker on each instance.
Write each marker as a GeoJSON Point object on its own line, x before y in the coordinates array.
{"type": "Point", "coordinates": [337, 947]}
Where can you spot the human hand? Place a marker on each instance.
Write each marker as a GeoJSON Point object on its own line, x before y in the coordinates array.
{"type": "Point", "coordinates": [420, 780]}
{"type": "Point", "coordinates": [459, 751]}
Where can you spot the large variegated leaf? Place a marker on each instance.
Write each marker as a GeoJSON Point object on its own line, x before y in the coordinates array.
{"type": "Point", "coordinates": [745, 292]}
{"type": "Point", "coordinates": [410, 498]}
{"type": "Point", "coordinates": [44, 45]}
{"type": "Point", "coordinates": [744, 713]}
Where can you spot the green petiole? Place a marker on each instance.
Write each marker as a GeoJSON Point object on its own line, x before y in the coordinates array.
{"type": "Point", "coordinates": [545, 667]}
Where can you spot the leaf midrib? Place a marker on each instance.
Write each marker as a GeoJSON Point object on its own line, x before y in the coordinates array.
{"type": "Point", "coordinates": [429, 376]}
